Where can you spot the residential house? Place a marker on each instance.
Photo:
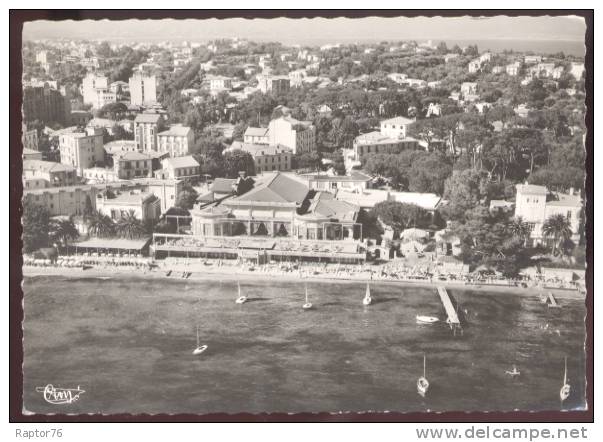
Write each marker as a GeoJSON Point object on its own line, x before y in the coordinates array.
{"type": "Point", "coordinates": [128, 165]}
{"type": "Point", "coordinates": [82, 149]}
{"type": "Point", "coordinates": [474, 66]}
{"type": "Point", "coordinates": [468, 88]}
{"type": "Point", "coordinates": [146, 128]}
{"type": "Point", "coordinates": [395, 127]}
{"type": "Point", "coordinates": [392, 138]}
{"type": "Point", "coordinates": [38, 174]}
{"type": "Point", "coordinates": [299, 136]}
{"type": "Point", "coordinates": [513, 69]}
{"type": "Point", "coordinates": [577, 70]}
{"type": "Point", "coordinates": [145, 206]}
{"type": "Point", "coordinates": [177, 140]}
{"type": "Point", "coordinates": [256, 135]}
{"type": "Point", "coordinates": [95, 91]}
{"type": "Point", "coordinates": [267, 158]}
{"type": "Point", "coordinates": [30, 154]}
{"type": "Point", "coordinates": [181, 168]}
{"type": "Point", "coordinates": [219, 83]}
{"type": "Point", "coordinates": [535, 204]}
{"type": "Point", "coordinates": [273, 83]}
{"type": "Point", "coordinates": [29, 138]}
{"type": "Point", "coordinates": [143, 89]}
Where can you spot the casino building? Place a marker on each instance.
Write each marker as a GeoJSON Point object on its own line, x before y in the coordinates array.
{"type": "Point", "coordinates": [280, 218]}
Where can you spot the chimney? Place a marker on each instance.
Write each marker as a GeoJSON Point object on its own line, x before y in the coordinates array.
{"type": "Point", "coordinates": [571, 191]}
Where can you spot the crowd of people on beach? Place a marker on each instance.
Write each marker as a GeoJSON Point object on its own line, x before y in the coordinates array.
{"type": "Point", "coordinates": [396, 270]}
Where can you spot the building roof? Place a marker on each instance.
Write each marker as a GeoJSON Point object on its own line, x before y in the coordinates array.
{"type": "Point", "coordinates": [133, 156]}
{"type": "Point", "coordinates": [531, 189]}
{"type": "Point", "coordinates": [130, 197]}
{"type": "Point", "coordinates": [376, 137]}
{"type": "Point", "coordinates": [259, 149]}
{"type": "Point", "coordinates": [564, 200]}
{"type": "Point", "coordinates": [175, 131]}
{"type": "Point", "coordinates": [186, 161]}
{"type": "Point", "coordinates": [113, 243]}
{"type": "Point", "coordinates": [114, 147]}
{"type": "Point", "coordinates": [427, 201]}
{"type": "Point", "coordinates": [280, 189]}
{"type": "Point", "coordinates": [223, 185]}
{"type": "Point", "coordinates": [102, 122]}
{"type": "Point", "coordinates": [500, 204]}
{"type": "Point", "coordinates": [256, 132]}
{"type": "Point", "coordinates": [46, 166]}
{"type": "Point", "coordinates": [147, 118]}
{"type": "Point", "coordinates": [27, 151]}
{"type": "Point", "coordinates": [354, 176]}
{"type": "Point", "coordinates": [398, 120]}
{"type": "Point", "coordinates": [325, 205]}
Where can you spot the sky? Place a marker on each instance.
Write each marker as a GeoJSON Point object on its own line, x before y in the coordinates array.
{"type": "Point", "coordinates": [304, 31]}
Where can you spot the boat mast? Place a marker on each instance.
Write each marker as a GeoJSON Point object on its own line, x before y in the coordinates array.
{"type": "Point", "coordinates": [424, 362]}
{"type": "Point", "coordinates": [239, 288]}
{"type": "Point", "coordinates": [565, 373]}
{"type": "Point", "coordinates": [197, 336]}
{"type": "Point", "coordinates": [306, 294]}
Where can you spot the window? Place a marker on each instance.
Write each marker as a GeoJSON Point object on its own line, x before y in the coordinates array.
{"type": "Point", "coordinates": [569, 214]}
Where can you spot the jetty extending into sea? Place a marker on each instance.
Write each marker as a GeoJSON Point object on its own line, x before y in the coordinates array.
{"type": "Point", "coordinates": [453, 317]}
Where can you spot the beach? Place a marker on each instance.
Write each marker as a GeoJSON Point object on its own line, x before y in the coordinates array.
{"type": "Point", "coordinates": [241, 274]}
{"type": "Point", "coordinates": [127, 340]}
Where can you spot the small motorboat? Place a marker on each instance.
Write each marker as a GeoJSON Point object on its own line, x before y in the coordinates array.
{"type": "Point", "coordinates": [513, 372]}
{"type": "Point", "coordinates": [566, 388]}
{"type": "Point", "coordinates": [241, 299]}
{"type": "Point", "coordinates": [200, 348]}
{"type": "Point", "coordinates": [421, 319]}
{"type": "Point", "coordinates": [367, 297]}
{"type": "Point", "coordinates": [308, 304]}
{"type": "Point", "coordinates": [422, 382]}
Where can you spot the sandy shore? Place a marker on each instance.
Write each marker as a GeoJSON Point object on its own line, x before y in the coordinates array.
{"type": "Point", "coordinates": [233, 273]}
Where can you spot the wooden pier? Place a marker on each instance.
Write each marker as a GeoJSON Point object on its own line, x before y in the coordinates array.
{"type": "Point", "coordinates": [552, 301]}
{"type": "Point", "coordinates": [453, 317]}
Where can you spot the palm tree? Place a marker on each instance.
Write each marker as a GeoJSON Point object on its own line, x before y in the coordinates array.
{"type": "Point", "coordinates": [62, 230]}
{"type": "Point", "coordinates": [557, 227]}
{"type": "Point", "coordinates": [99, 224]}
{"type": "Point", "coordinates": [520, 228]}
{"type": "Point", "coordinates": [129, 226]}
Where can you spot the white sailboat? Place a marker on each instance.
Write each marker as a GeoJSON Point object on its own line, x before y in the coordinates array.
{"type": "Point", "coordinates": [423, 319]}
{"type": "Point", "coordinates": [308, 304]}
{"type": "Point", "coordinates": [566, 388]}
{"type": "Point", "coordinates": [367, 297]}
{"type": "Point", "coordinates": [513, 372]}
{"type": "Point", "coordinates": [200, 348]}
{"type": "Point", "coordinates": [241, 299]}
{"type": "Point", "coordinates": [422, 382]}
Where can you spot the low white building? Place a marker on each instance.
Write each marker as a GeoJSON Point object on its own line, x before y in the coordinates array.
{"type": "Point", "coordinates": [145, 206]}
